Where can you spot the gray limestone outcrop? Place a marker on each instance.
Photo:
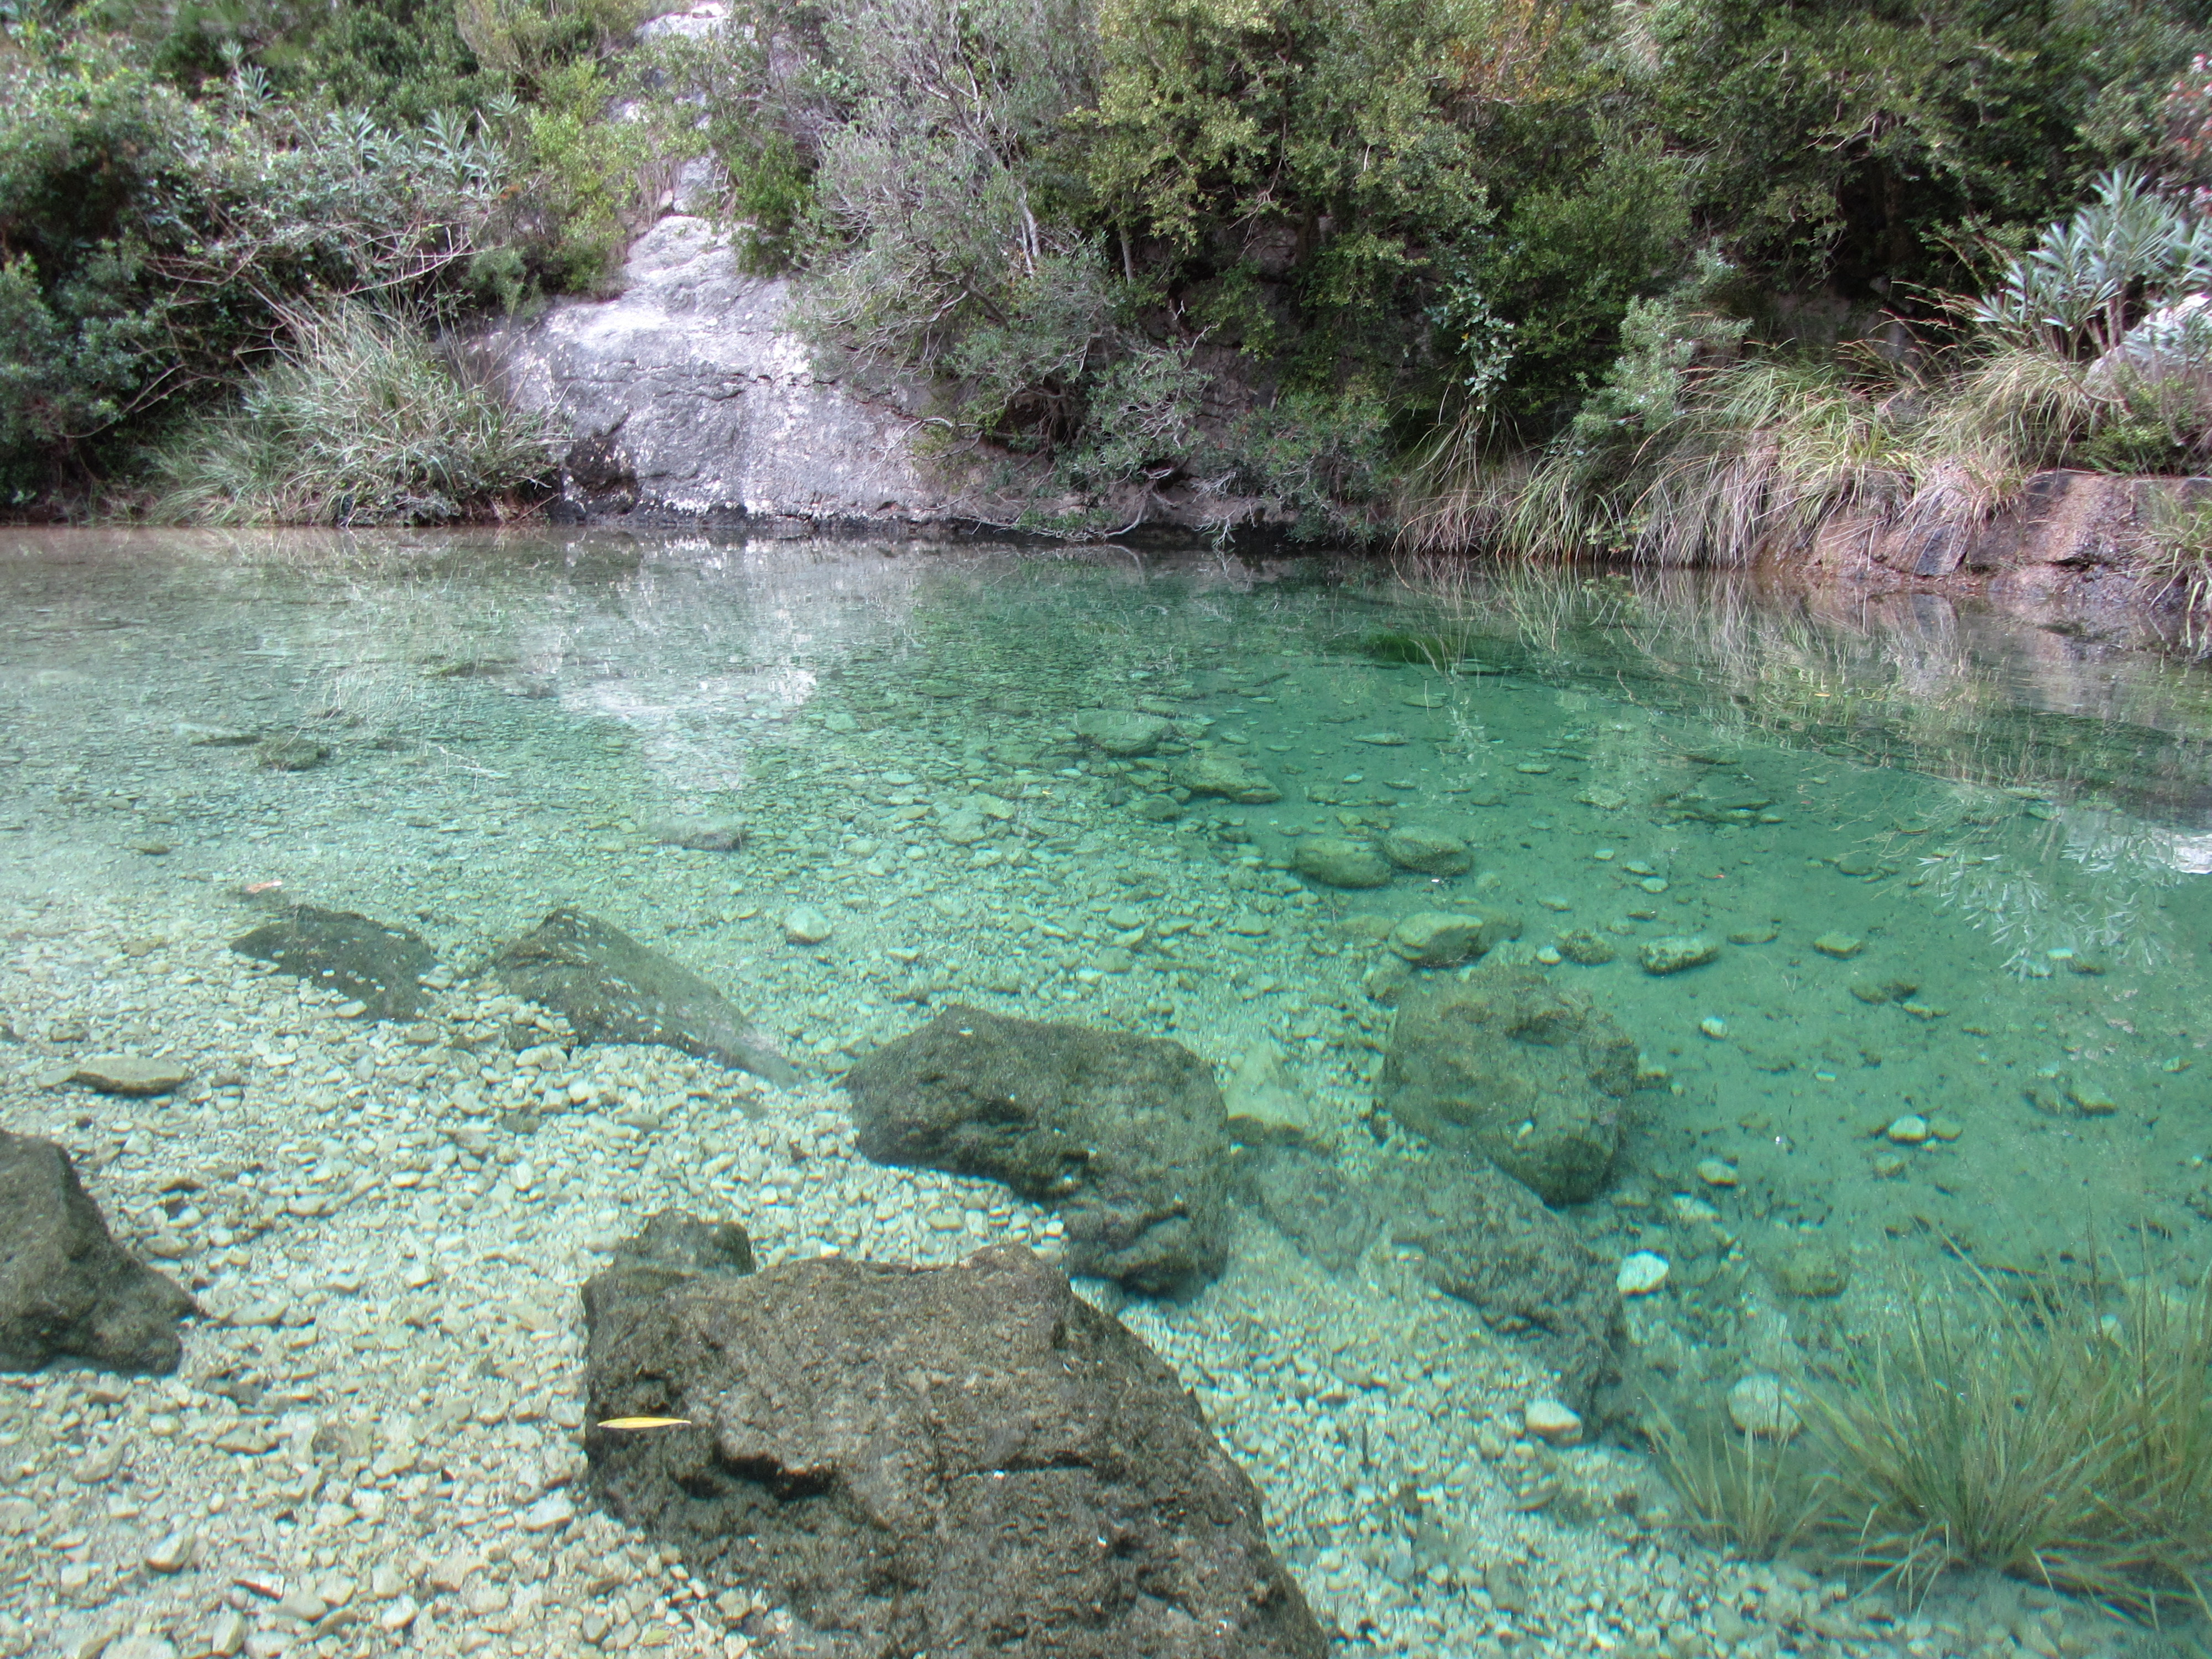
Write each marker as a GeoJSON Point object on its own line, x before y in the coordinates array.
{"type": "Point", "coordinates": [688, 398]}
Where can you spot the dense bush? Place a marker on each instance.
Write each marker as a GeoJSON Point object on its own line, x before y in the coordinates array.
{"type": "Point", "coordinates": [153, 240]}
{"type": "Point", "coordinates": [1359, 258]}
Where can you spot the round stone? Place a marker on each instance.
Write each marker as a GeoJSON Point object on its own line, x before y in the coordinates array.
{"type": "Point", "coordinates": [803, 924]}
{"type": "Point", "coordinates": [1334, 862]}
{"type": "Point", "coordinates": [1713, 1026]}
{"type": "Point", "coordinates": [1429, 852]}
{"type": "Point", "coordinates": [1118, 731]}
{"type": "Point", "coordinates": [1641, 1274]}
{"type": "Point", "coordinates": [1716, 1172]}
{"type": "Point", "coordinates": [1550, 1421]}
{"type": "Point", "coordinates": [1759, 1405]}
{"type": "Point", "coordinates": [1434, 939]}
{"type": "Point", "coordinates": [1908, 1131]}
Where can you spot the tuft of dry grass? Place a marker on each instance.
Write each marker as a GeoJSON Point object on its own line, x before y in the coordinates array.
{"type": "Point", "coordinates": [361, 420]}
{"type": "Point", "coordinates": [2046, 1439]}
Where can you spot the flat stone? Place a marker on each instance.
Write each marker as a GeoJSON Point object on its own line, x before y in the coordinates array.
{"type": "Point", "coordinates": [804, 924]}
{"type": "Point", "coordinates": [130, 1075]}
{"type": "Point", "coordinates": [1909, 1130]}
{"type": "Point", "coordinates": [701, 834]}
{"type": "Point", "coordinates": [1676, 952]}
{"type": "Point", "coordinates": [290, 754]}
{"type": "Point", "coordinates": [1642, 1272]}
{"type": "Point", "coordinates": [1216, 772]}
{"type": "Point", "coordinates": [1336, 862]}
{"type": "Point", "coordinates": [173, 1554]}
{"type": "Point", "coordinates": [1810, 1269]}
{"type": "Point", "coordinates": [1586, 949]}
{"type": "Point", "coordinates": [1437, 938]}
{"type": "Point", "coordinates": [553, 1511]}
{"type": "Point", "coordinates": [1839, 945]}
{"type": "Point", "coordinates": [1554, 1424]}
{"type": "Point", "coordinates": [379, 964]}
{"type": "Point", "coordinates": [1383, 739]}
{"type": "Point", "coordinates": [1716, 1172]}
{"type": "Point", "coordinates": [613, 989]}
{"type": "Point", "coordinates": [1120, 732]}
{"type": "Point", "coordinates": [215, 736]}
{"type": "Point", "coordinates": [1428, 852]}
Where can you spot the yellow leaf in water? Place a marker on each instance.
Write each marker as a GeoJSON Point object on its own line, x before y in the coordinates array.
{"type": "Point", "coordinates": [645, 1423]}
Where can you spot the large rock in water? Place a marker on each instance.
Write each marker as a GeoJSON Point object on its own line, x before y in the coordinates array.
{"type": "Point", "coordinates": [615, 990]}
{"type": "Point", "coordinates": [66, 1287]}
{"type": "Point", "coordinates": [376, 963]}
{"type": "Point", "coordinates": [1126, 1135]}
{"type": "Point", "coordinates": [1509, 1065]}
{"type": "Point", "coordinates": [691, 398]}
{"type": "Point", "coordinates": [944, 1460]}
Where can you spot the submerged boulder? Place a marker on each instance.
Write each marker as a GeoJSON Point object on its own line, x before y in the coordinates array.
{"type": "Point", "coordinates": [1478, 1234]}
{"type": "Point", "coordinates": [67, 1289]}
{"type": "Point", "coordinates": [615, 990]}
{"type": "Point", "coordinates": [942, 1459]}
{"type": "Point", "coordinates": [377, 963]}
{"type": "Point", "coordinates": [1126, 1135]}
{"type": "Point", "coordinates": [1488, 1240]}
{"type": "Point", "coordinates": [1505, 1064]}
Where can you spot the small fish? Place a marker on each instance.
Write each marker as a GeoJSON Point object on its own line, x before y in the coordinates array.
{"type": "Point", "coordinates": [263, 886]}
{"type": "Point", "coordinates": [645, 1422]}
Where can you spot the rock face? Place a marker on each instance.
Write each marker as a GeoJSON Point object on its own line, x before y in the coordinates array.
{"type": "Point", "coordinates": [1507, 1064]}
{"type": "Point", "coordinates": [1126, 1135]}
{"type": "Point", "coordinates": [374, 962]}
{"type": "Point", "coordinates": [66, 1287]}
{"type": "Point", "coordinates": [951, 1460]}
{"type": "Point", "coordinates": [689, 398]}
{"type": "Point", "coordinates": [615, 990]}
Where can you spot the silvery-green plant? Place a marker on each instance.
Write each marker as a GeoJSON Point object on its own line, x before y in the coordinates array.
{"type": "Point", "coordinates": [2088, 278]}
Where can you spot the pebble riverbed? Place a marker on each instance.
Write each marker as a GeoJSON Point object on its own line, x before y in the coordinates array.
{"type": "Point", "coordinates": [372, 1445]}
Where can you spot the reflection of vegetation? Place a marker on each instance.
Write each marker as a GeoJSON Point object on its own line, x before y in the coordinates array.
{"type": "Point", "coordinates": [2051, 1440]}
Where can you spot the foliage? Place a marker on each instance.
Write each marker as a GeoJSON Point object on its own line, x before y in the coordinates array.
{"type": "Point", "coordinates": [358, 420]}
{"type": "Point", "coordinates": [1752, 1494]}
{"type": "Point", "coordinates": [152, 239]}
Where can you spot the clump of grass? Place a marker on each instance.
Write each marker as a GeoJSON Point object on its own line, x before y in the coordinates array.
{"type": "Point", "coordinates": [2180, 562]}
{"type": "Point", "coordinates": [361, 420]}
{"type": "Point", "coordinates": [2046, 1439]}
{"type": "Point", "coordinates": [1754, 1495]}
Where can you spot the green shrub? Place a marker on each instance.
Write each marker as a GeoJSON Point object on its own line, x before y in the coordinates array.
{"type": "Point", "coordinates": [359, 420]}
{"type": "Point", "coordinates": [153, 238]}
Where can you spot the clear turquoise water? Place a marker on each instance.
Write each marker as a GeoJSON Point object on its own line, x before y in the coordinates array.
{"type": "Point", "coordinates": [2016, 821]}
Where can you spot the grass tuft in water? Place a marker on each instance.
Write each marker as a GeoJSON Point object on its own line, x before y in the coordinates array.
{"type": "Point", "coordinates": [1757, 1496]}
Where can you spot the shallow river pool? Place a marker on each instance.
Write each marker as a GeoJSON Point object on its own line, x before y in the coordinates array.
{"type": "Point", "coordinates": [1944, 883]}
